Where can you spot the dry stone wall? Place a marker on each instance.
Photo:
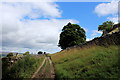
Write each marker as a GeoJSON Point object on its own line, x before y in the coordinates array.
{"type": "Point", "coordinates": [107, 40]}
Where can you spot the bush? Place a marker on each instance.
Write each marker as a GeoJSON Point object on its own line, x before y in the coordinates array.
{"type": "Point", "coordinates": [26, 53]}
{"type": "Point", "coordinates": [9, 54]}
{"type": "Point", "coordinates": [23, 68]}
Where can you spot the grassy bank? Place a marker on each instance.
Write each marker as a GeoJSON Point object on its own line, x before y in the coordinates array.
{"type": "Point", "coordinates": [23, 68]}
{"type": "Point", "coordinates": [94, 62]}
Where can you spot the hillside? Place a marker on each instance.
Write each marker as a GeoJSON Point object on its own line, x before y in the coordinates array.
{"type": "Point", "coordinates": [95, 59]}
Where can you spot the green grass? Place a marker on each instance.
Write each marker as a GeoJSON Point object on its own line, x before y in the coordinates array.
{"type": "Point", "coordinates": [94, 62]}
{"type": "Point", "coordinates": [24, 68]}
{"type": "Point", "coordinates": [48, 66]}
{"type": "Point", "coordinates": [43, 66]}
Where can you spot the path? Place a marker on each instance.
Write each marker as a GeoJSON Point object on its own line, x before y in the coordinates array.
{"type": "Point", "coordinates": [46, 70]}
{"type": "Point", "coordinates": [39, 68]}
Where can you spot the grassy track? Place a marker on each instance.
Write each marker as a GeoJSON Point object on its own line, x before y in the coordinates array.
{"type": "Point", "coordinates": [46, 70]}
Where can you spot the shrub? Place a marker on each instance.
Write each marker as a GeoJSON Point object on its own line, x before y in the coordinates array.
{"type": "Point", "coordinates": [26, 53]}
{"type": "Point", "coordinates": [23, 68]}
{"type": "Point", "coordinates": [9, 54]}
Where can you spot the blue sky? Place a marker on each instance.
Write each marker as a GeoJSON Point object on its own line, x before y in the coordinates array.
{"type": "Point", "coordinates": [36, 26]}
{"type": "Point", "coordinates": [84, 13]}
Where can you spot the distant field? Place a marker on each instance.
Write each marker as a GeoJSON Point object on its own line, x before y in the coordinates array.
{"type": "Point", "coordinates": [94, 62]}
{"type": "Point", "coordinates": [2, 55]}
{"type": "Point", "coordinates": [5, 54]}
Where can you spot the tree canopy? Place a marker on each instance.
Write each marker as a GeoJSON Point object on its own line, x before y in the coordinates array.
{"type": "Point", "coordinates": [72, 34]}
{"type": "Point", "coordinates": [40, 52]}
{"type": "Point", "coordinates": [106, 27]}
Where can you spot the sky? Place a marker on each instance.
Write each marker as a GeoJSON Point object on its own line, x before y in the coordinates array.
{"type": "Point", "coordinates": [36, 26]}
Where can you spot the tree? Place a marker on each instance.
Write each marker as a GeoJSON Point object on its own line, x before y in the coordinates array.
{"type": "Point", "coordinates": [71, 35]}
{"type": "Point", "coordinates": [9, 54]}
{"type": "Point", "coordinates": [16, 54]}
{"type": "Point", "coordinates": [44, 52]}
{"type": "Point", "coordinates": [106, 27]}
{"type": "Point", "coordinates": [26, 53]}
{"type": "Point", "coordinates": [40, 52]}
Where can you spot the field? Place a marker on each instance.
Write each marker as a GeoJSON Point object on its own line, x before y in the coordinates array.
{"type": "Point", "coordinates": [94, 62]}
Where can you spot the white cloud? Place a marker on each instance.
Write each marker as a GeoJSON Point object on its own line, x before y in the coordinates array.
{"type": "Point", "coordinates": [20, 34]}
{"type": "Point", "coordinates": [88, 39]}
{"type": "Point", "coordinates": [33, 10]}
{"type": "Point", "coordinates": [36, 34]}
{"type": "Point", "coordinates": [28, 0]}
{"type": "Point", "coordinates": [108, 9]}
{"type": "Point", "coordinates": [114, 18]}
{"type": "Point", "coordinates": [95, 33]}
{"type": "Point", "coordinates": [57, 0]}
{"type": "Point", "coordinates": [104, 9]}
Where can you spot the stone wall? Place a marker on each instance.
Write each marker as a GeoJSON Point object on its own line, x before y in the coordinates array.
{"type": "Point", "coordinates": [110, 39]}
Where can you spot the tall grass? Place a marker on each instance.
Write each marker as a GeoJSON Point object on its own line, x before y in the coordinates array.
{"type": "Point", "coordinates": [24, 68]}
{"type": "Point", "coordinates": [94, 62]}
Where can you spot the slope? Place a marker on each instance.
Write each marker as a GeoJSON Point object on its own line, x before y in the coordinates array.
{"type": "Point", "coordinates": [94, 62]}
{"type": "Point", "coordinates": [98, 58]}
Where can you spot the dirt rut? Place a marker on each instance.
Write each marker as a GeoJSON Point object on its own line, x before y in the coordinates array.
{"type": "Point", "coordinates": [45, 71]}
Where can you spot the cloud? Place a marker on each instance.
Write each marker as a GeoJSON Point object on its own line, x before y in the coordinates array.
{"type": "Point", "coordinates": [57, 0]}
{"type": "Point", "coordinates": [108, 9]}
{"type": "Point", "coordinates": [36, 34]}
{"type": "Point", "coordinates": [114, 18]}
{"type": "Point", "coordinates": [31, 26]}
{"type": "Point", "coordinates": [104, 9]}
{"type": "Point", "coordinates": [95, 33]}
{"type": "Point", "coordinates": [28, 0]}
{"type": "Point", "coordinates": [32, 10]}
{"type": "Point", "coordinates": [88, 39]}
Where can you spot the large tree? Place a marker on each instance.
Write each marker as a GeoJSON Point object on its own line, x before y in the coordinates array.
{"type": "Point", "coordinates": [72, 34]}
{"type": "Point", "coordinates": [106, 27]}
{"type": "Point", "coordinates": [40, 52]}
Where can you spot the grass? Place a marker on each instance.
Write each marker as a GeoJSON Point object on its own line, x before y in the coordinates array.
{"type": "Point", "coordinates": [46, 65]}
{"type": "Point", "coordinates": [43, 66]}
{"type": "Point", "coordinates": [94, 62]}
{"type": "Point", "coordinates": [45, 70]}
{"type": "Point", "coordinates": [24, 68]}
{"type": "Point", "coordinates": [115, 30]}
